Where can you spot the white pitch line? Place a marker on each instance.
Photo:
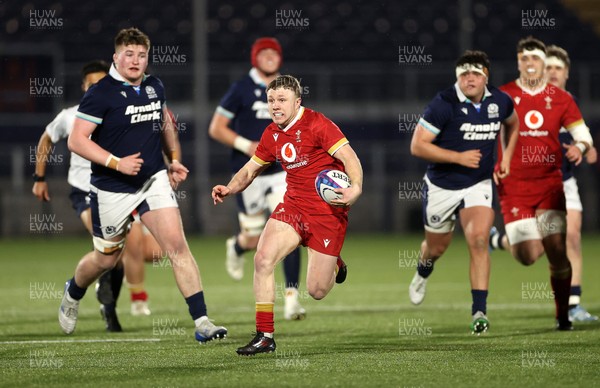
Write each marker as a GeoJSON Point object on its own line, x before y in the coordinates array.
{"type": "Point", "coordinates": [83, 341]}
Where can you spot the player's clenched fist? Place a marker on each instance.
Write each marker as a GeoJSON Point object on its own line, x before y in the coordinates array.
{"type": "Point", "coordinates": [130, 165]}
{"type": "Point", "coordinates": [470, 158]}
{"type": "Point", "coordinates": [177, 173]}
{"type": "Point", "coordinates": [219, 192]}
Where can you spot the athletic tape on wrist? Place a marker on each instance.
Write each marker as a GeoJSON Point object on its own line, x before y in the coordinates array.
{"type": "Point", "coordinates": [242, 144]}
{"type": "Point", "coordinates": [112, 162]}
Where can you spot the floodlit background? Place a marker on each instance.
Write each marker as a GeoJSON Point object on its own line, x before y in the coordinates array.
{"type": "Point", "coordinates": [370, 66]}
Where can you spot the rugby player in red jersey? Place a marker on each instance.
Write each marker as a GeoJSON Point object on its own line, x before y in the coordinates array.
{"type": "Point", "coordinates": [532, 197]}
{"type": "Point", "coordinates": [305, 142]}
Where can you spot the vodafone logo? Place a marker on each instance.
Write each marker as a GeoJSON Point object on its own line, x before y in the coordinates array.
{"type": "Point", "coordinates": [534, 119]}
{"type": "Point", "coordinates": [288, 152]}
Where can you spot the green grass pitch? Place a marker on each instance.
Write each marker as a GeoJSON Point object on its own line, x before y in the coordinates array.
{"type": "Point", "coordinates": [365, 333]}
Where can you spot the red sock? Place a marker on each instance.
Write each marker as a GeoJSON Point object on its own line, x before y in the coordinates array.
{"type": "Point", "coordinates": [562, 291]}
{"type": "Point", "coordinates": [264, 318]}
{"type": "Point", "coordinates": [135, 296]}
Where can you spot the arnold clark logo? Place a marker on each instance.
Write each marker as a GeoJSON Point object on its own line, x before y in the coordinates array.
{"type": "Point", "coordinates": [291, 19]}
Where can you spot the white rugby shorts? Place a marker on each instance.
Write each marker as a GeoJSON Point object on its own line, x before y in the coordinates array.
{"type": "Point", "coordinates": [572, 194]}
{"type": "Point", "coordinates": [111, 212]}
{"type": "Point", "coordinates": [257, 202]}
{"type": "Point", "coordinates": [257, 197]}
{"type": "Point", "coordinates": [440, 206]}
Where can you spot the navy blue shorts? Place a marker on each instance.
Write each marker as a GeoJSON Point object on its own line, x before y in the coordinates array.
{"type": "Point", "coordinates": [80, 200]}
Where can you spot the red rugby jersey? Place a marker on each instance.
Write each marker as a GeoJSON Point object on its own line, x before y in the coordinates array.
{"type": "Point", "coordinates": [541, 115]}
{"type": "Point", "coordinates": [304, 148]}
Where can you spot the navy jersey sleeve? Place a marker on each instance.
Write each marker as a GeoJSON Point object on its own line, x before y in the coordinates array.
{"type": "Point", "coordinates": [436, 115]}
{"type": "Point", "coordinates": [93, 106]}
{"type": "Point", "coordinates": [507, 105]}
{"type": "Point", "coordinates": [231, 102]}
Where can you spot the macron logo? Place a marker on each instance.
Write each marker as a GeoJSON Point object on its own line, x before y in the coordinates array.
{"type": "Point", "coordinates": [326, 242]}
{"type": "Point", "coordinates": [275, 136]}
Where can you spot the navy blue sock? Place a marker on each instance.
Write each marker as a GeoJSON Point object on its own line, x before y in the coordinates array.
{"type": "Point", "coordinates": [75, 291]}
{"type": "Point", "coordinates": [196, 305]}
{"type": "Point", "coordinates": [500, 239]}
{"type": "Point", "coordinates": [238, 249]}
{"type": "Point", "coordinates": [479, 301]}
{"type": "Point", "coordinates": [116, 280]}
{"type": "Point", "coordinates": [575, 291]}
{"type": "Point", "coordinates": [291, 269]}
{"type": "Point", "coordinates": [425, 269]}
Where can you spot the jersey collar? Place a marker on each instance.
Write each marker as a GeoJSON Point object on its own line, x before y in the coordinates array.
{"type": "Point", "coordinates": [462, 98]}
{"type": "Point", "coordinates": [115, 74]}
{"type": "Point", "coordinates": [256, 78]}
{"type": "Point", "coordinates": [298, 116]}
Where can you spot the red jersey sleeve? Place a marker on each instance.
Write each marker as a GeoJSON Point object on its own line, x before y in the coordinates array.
{"type": "Point", "coordinates": [266, 145]}
{"type": "Point", "coordinates": [330, 136]}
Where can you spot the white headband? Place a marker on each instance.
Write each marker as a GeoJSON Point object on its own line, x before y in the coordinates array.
{"type": "Point", "coordinates": [556, 61]}
{"type": "Point", "coordinates": [474, 67]}
{"type": "Point", "coordinates": [536, 51]}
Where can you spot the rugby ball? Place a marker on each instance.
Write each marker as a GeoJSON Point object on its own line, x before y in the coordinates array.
{"type": "Point", "coordinates": [329, 180]}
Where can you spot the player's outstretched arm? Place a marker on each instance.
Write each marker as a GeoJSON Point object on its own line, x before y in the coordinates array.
{"type": "Point", "coordinates": [80, 143]}
{"type": "Point", "coordinates": [40, 189]}
{"type": "Point", "coordinates": [354, 170]}
{"type": "Point", "coordinates": [422, 147]}
{"type": "Point", "coordinates": [219, 130]}
{"type": "Point", "coordinates": [239, 182]}
{"type": "Point", "coordinates": [511, 128]}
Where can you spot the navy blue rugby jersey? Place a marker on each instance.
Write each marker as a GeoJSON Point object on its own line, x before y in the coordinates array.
{"type": "Point", "coordinates": [566, 167]}
{"type": "Point", "coordinates": [245, 104]}
{"type": "Point", "coordinates": [461, 125]}
{"type": "Point", "coordinates": [129, 120]}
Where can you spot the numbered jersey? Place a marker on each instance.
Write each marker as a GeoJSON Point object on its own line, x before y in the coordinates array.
{"type": "Point", "coordinates": [541, 115]}
{"type": "Point", "coordinates": [245, 104]}
{"type": "Point", "coordinates": [304, 148]}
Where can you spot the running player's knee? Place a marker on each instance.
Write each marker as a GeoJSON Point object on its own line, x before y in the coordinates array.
{"type": "Point", "coordinates": [248, 242]}
{"type": "Point", "coordinates": [435, 251]}
{"type": "Point", "coordinates": [526, 255]}
{"type": "Point", "coordinates": [478, 241]}
{"type": "Point", "coordinates": [263, 263]}
{"type": "Point", "coordinates": [317, 292]}
{"type": "Point", "coordinates": [106, 261]}
{"type": "Point", "coordinates": [573, 237]}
